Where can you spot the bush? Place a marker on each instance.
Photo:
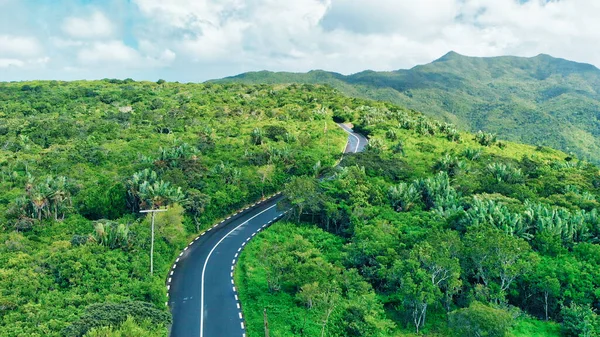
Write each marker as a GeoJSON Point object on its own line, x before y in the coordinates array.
{"type": "Point", "coordinates": [480, 320]}
{"type": "Point", "coordinates": [485, 139]}
{"type": "Point", "coordinates": [114, 314]}
{"type": "Point", "coordinates": [579, 320]}
{"type": "Point", "coordinates": [275, 132]}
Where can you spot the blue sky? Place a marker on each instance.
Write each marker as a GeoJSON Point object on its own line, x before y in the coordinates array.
{"type": "Point", "coordinates": [183, 40]}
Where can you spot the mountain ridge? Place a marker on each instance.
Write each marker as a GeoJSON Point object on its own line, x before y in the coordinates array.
{"type": "Point", "coordinates": [539, 100]}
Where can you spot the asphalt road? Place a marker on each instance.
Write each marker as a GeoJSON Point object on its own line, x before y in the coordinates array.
{"type": "Point", "coordinates": [202, 295]}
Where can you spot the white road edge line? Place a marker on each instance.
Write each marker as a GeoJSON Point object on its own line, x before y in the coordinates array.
{"type": "Point", "coordinates": [206, 263]}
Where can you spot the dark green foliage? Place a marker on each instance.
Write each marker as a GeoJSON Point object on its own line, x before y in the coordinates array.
{"type": "Point", "coordinates": [377, 165]}
{"type": "Point", "coordinates": [105, 200]}
{"type": "Point", "coordinates": [580, 321]}
{"type": "Point", "coordinates": [113, 314]}
{"type": "Point", "coordinates": [275, 132]}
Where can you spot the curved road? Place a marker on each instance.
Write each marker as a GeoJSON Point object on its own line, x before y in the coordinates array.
{"type": "Point", "coordinates": [202, 295]}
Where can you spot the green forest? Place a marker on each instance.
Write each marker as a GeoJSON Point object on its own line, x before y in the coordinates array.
{"type": "Point", "coordinates": [78, 160]}
{"type": "Point", "coordinates": [540, 100]}
{"type": "Point", "coordinates": [432, 232]}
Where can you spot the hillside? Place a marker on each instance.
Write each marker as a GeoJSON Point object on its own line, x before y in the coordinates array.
{"type": "Point", "coordinates": [448, 229]}
{"type": "Point", "coordinates": [540, 100]}
{"type": "Point", "coordinates": [431, 232]}
{"type": "Point", "coordinates": [78, 160]}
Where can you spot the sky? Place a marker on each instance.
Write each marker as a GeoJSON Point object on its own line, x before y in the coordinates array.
{"type": "Point", "coordinates": [197, 40]}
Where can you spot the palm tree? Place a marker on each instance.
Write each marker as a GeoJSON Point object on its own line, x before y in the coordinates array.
{"type": "Point", "coordinates": [39, 202]}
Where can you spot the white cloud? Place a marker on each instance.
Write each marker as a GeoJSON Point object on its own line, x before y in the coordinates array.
{"type": "Point", "coordinates": [116, 54]}
{"type": "Point", "coordinates": [19, 46]}
{"type": "Point", "coordinates": [23, 63]}
{"type": "Point", "coordinates": [95, 26]}
{"type": "Point", "coordinates": [111, 52]}
{"type": "Point", "coordinates": [65, 43]}
{"type": "Point", "coordinates": [5, 62]}
{"type": "Point", "coordinates": [198, 39]}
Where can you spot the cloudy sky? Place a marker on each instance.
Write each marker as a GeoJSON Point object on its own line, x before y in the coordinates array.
{"type": "Point", "coordinates": [196, 40]}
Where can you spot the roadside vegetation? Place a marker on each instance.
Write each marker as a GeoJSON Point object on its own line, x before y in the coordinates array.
{"type": "Point", "coordinates": [79, 160]}
{"type": "Point", "coordinates": [431, 232]}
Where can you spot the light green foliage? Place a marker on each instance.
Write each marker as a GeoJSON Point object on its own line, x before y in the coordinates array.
{"type": "Point", "coordinates": [471, 154]}
{"type": "Point", "coordinates": [480, 320]}
{"type": "Point", "coordinates": [451, 165]}
{"type": "Point", "coordinates": [496, 260]}
{"type": "Point", "coordinates": [48, 198]}
{"type": "Point", "coordinates": [403, 196]}
{"type": "Point", "coordinates": [533, 328]}
{"type": "Point", "coordinates": [110, 234]}
{"type": "Point", "coordinates": [100, 319]}
{"type": "Point", "coordinates": [505, 173]}
{"type": "Point", "coordinates": [398, 242]}
{"type": "Point", "coordinates": [169, 224]}
{"type": "Point", "coordinates": [485, 139]}
{"type": "Point", "coordinates": [301, 193]}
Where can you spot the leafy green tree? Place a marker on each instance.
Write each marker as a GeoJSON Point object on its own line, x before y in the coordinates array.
{"type": "Point", "coordinates": [416, 291]}
{"type": "Point", "coordinates": [545, 285]}
{"type": "Point", "coordinates": [303, 195]}
{"type": "Point", "coordinates": [439, 257]}
{"type": "Point", "coordinates": [195, 204]}
{"type": "Point", "coordinates": [495, 259]}
{"type": "Point", "coordinates": [580, 321]}
{"type": "Point", "coordinates": [169, 224]}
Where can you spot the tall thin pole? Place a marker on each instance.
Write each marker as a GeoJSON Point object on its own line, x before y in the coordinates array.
{"type": "Point", "coordinates": [152, 247]}
{"type": "Point", "coordinates": [153, 211]}
{"type": "Point", "coordinates": [266, 323]}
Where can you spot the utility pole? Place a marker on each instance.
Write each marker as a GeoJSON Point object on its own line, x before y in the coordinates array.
{"type": "Point", "coordinates": [327, 139]}
{"type": "Point", "coordinates": [266, 322]}
{"type": "Point", "coordinates": [153, 211]}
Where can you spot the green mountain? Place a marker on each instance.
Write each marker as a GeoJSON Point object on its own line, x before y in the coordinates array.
{"type": "Point", "coordinates": [540, 100]}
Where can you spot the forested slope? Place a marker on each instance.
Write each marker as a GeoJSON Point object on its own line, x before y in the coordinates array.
{"type": "Point", "coordinates": [78, 160]}
{"type": "Point", "coordinates": [430, 228]}
{"type": "Point", "coordinates": [540, 100]}
{"type": "Point", "coordinates": [435, 232]}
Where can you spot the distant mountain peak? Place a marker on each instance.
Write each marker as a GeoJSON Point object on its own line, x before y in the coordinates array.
{"type": "Point", "coordinates": [451, 55]}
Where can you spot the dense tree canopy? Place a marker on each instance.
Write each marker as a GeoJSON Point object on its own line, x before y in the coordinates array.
{"type": "Point", "coordinates": [465, 236]}
{"type": "Point", "coordinates": [79, 160]}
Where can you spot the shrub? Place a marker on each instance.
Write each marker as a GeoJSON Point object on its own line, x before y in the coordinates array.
{"type": "Point", "coordinates": [114, 314]}
{"type": "Point", "coordinates": [480, 320]}
{"type": "Point", "coordinates": [485, 139]}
